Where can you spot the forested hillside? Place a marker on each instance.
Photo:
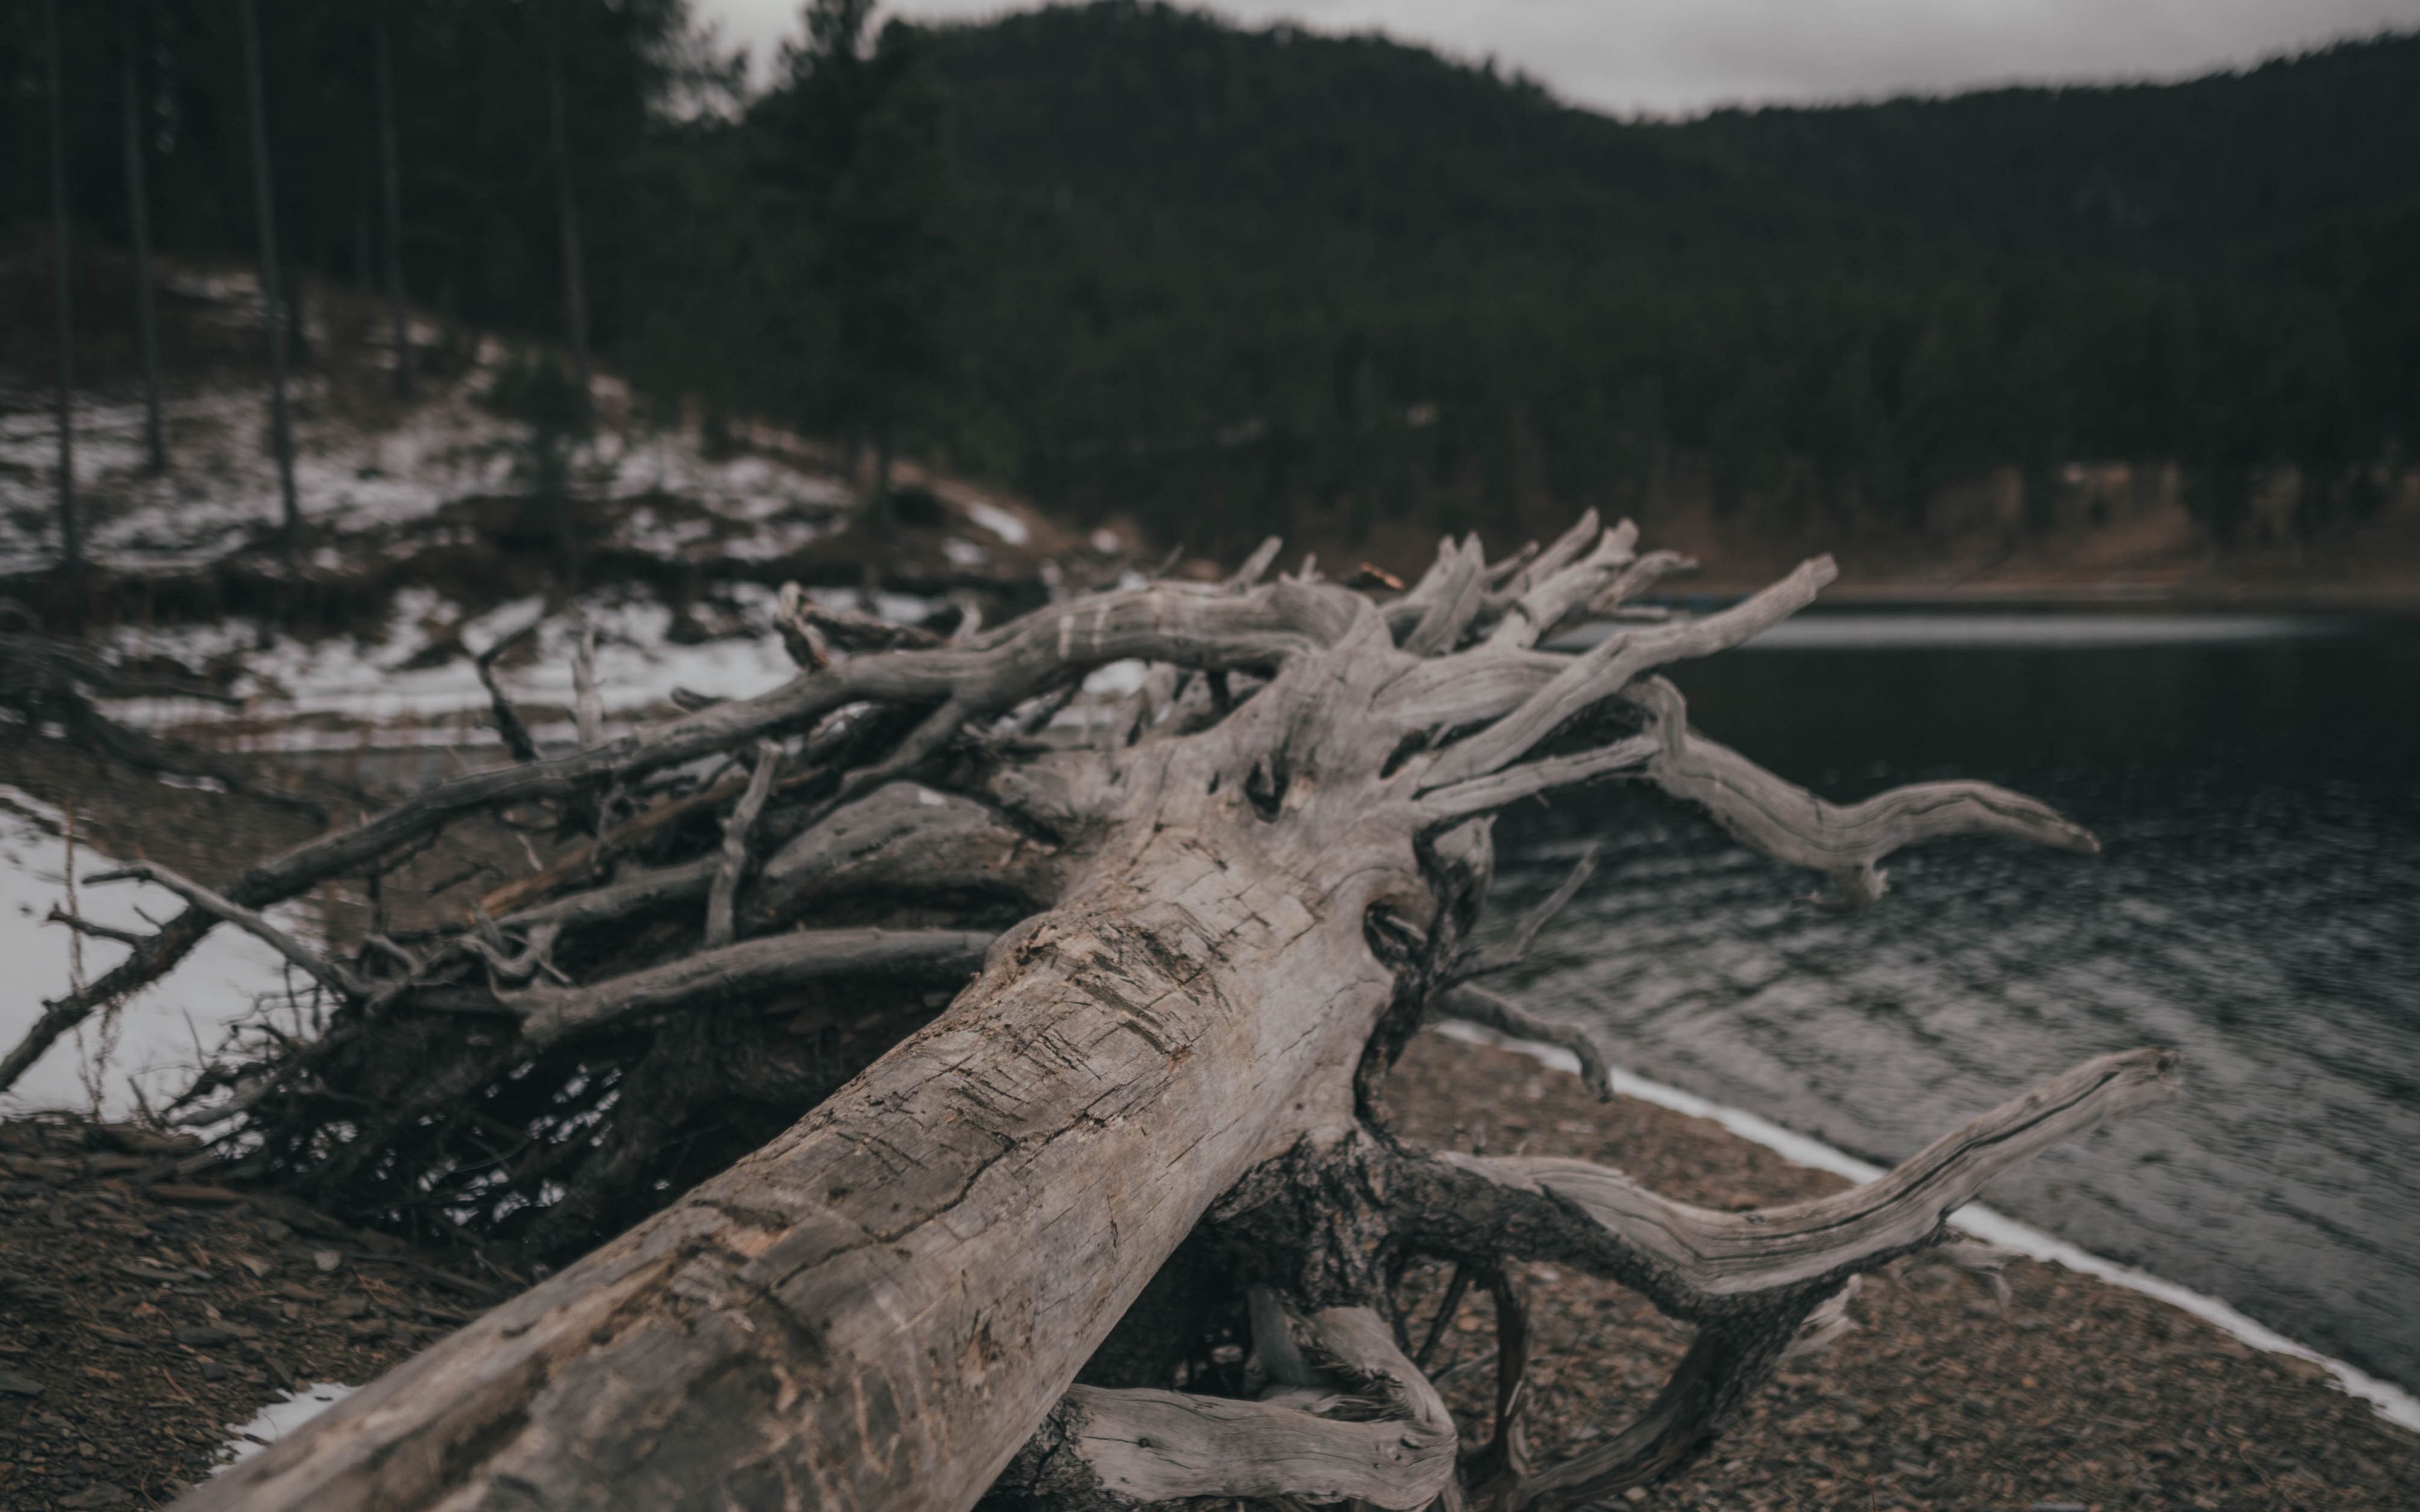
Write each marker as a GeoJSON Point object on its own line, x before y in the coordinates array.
{"type": "Point", "coordinates": [1280, 271]}
{"type": "Point", "coordinates": [1136, 260]}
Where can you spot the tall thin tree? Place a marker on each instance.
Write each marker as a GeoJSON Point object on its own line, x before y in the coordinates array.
{"type": "Point", "coordinates": [575, 290]}
{"type": "Point", "coordinates": [70, 536]}
{"type": "Point", "coordinates": [139, 222]}
{"type": "Point", "coordinates": [281, 434]}
{"type": "Point", "coordinates": [391, 192]}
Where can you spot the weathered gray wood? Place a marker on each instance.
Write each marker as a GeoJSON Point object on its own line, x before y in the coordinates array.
{"type": "Point", "coordinates": [1787, 823]}
{"type": "Point", "coordinates": [1166, 622]}
{"type": "Point", "coordinates": [325, 972]}
{"type": "Point", "coordinates": [1492, 1010]}
{"type": "Point", "coordinates": [1603, 670]}
{"type": "Point", "coordinates": [1245, 901]}
{"type": "Point", "coordinates": [510, 727]}
{"type": "Point", "coordinates": [728, 972]}
{"type": "Point", "coordinates": [1561, 552]}
{"type": "Point", "coordinates": [1391, 1445]}
{"type": "Point", "coordinates": [905, 839]}
{"type": "Point", "coordinates": [1515, 948]}
{"type": "Point", "coordinates": [626, 895]}
{"type": "Point", "coordinates": [1551, 597]}
{"type": "Point", "coordinates": [1452, 599]}
{"type": "Point", "coordinates": [1754, 1283]}
{"type": "Point", "coordinates": [1491, 791]}
{"type": "Point", "coordinates": [1256, 566]}
{"type": "Point", "coordinates": [1699, 1263]}
{"type": "Point", "coordinates": [1638, 578]}
{"type": "Point", "coordinates": [720, 930]}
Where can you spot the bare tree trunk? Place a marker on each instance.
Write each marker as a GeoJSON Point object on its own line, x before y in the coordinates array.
{"type": "Point", "coordinates": [70, 532]}
{"type": "Point", "coordinates": [273, 314]}
{"type": "Point", "coordinates": [1153, 1120]}
{"type": "Point", "coordinates": [567, 207]}
{"type": "Point", "coordinates": [391, 198]}
{"type": "Point", "coordinates": [879, 516]}
{"type": "Point", "coordinates": [138, 221]}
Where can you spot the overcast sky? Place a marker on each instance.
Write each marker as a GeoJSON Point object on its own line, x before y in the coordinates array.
{"type": "Point", "coordinates": [1686, 55]}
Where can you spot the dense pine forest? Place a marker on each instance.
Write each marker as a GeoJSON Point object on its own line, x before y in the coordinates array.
{"type": "Point", "coordinates": [1136, 260]}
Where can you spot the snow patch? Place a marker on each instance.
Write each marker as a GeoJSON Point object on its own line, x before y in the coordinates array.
{"type": "Point", "coordinates": [419, 666]}
{"type": "Point", "coordinates": [353, 481]}
{"type": "Point", "coordinates": [990, 517]}
{"type": "Point", "coordinates": [278, 1419]}
{"type": "Point", "coordinates": [161, 1034]}
{"type": "Point", "coordinates": [1116, 679]}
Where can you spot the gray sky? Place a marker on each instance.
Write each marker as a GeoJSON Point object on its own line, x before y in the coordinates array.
{"type": "Point", "coordinates": [1686, 55]}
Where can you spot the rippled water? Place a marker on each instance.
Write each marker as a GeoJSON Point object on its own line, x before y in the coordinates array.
{"type": "Point", "coordinates": [2256, 906]}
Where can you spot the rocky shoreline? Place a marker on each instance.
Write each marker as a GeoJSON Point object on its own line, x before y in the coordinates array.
{"type": "Point", "coordinates": [147, 1310]}
{"type": "Point", "coordinates": [2075, 1393]}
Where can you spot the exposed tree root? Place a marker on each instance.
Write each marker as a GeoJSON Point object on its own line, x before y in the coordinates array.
{"type": "Point", "coordinates": [1119, 1217]}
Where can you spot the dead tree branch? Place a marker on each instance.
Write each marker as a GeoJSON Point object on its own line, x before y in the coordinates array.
{"type": "Point", "coordinates": [718, 927]}
{"type": "Point", "coordinates": [993, 1027]}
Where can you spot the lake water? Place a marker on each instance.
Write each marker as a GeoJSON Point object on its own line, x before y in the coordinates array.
{"type": "Point", "coordinates": [2256, 906]}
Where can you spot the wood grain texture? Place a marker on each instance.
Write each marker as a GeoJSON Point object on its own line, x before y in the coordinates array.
{"type": "Point", "coordinates": [1239, 897]}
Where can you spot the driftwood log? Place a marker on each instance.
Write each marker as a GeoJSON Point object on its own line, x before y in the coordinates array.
{"type": "Point", "coordinates": [1068, 1061]}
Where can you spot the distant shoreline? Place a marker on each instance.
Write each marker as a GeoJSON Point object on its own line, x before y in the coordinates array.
{"type": "Point", "coordinates": [2388, 600]}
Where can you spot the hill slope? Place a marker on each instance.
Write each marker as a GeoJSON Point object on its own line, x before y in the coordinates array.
{"type": "Point", "coordinates": [1234, 280]}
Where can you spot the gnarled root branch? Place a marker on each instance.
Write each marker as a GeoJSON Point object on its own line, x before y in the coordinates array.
{"type": "Point", "coordinates": [1755, 1283]}
{"type": "Point", "coordinates": [1698, 1263]}
{"type": "Point", "coordinates": [1846, 842]}
{"type": "Point", "coordinates": [550, 1015]}
{"type": "Point", "coordinates": [906, 840]}
{"type": "Point", "coordinates": [1492, 1010]}
{"type": "Point", "coordinates": [1346, 1416]}
{"type": "Point", "coordinates": [320, 969]}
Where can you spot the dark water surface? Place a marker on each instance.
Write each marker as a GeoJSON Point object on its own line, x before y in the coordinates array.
{"type": "Point", "coordinates": [2256, 906]}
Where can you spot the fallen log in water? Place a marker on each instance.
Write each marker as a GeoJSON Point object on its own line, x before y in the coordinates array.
{"type": "Point", "coordinates": [1015, 1244]}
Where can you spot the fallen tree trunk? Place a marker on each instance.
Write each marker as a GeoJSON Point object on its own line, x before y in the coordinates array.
{"type": "Point", "coordinates": [1021, 1250]}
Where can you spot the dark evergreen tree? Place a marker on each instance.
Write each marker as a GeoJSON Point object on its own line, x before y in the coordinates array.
{"type": "Point", "coordinates": [70, 536]}
{"type": "Point", "coordinates": [1228, 281]}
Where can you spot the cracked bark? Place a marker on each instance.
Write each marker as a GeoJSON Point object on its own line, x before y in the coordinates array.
{"type": "Point", "coordinates": [1196, 945]}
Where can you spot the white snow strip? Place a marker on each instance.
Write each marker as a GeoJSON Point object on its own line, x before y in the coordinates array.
{"type": "Point", "coordinates": [2392, 1402]}
{"type": "Point", "coordinates": [1116, 679]}
{"type": "Point", "coordinates": [638, 664]}
{"type": "Point", "coordinates": [999, 521]}
{"type": "Point", "coordinates": [278, 1419]}
{"type": "Point", "coordinates": [50, 815]}
{"type": "Point", "coordinates": [354, 480]}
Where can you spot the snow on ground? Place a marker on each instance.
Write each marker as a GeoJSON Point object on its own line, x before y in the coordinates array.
{"type": "Point", "coordinates": [417, 672]}
{"type": "Point", "coordinates": [353, 478]}
{"type": "Point", "coordinates": [374, 478]}
{"type": "Point", "coordinates": [279, 1418]}
{"type": "Point", "coordinates": [363, 464]}
{"type": "Point", "coordinates": [997, 520]}
{"type": "Point", "coordinates": [158, 1038]}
